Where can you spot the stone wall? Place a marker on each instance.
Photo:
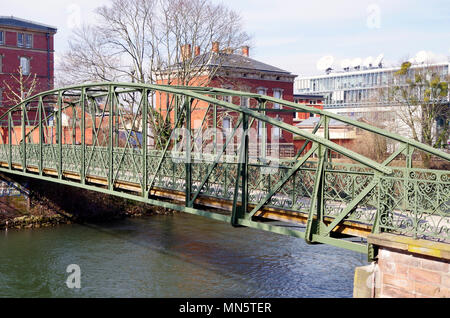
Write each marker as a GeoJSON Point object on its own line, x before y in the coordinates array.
{"type": "Point", "coordinates": [405, 275]}
{"type": "Point", "coordinates": [405, 268]}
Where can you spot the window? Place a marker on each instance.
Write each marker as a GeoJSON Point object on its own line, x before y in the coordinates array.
{"type": "Point", "coordinates": [260, 128]}
{"type": "Point", "coordinates": [25, 65]}
{"type": "Point", "coordinates": [277, 93]}
{"type": "Point", "coordinates": [245, 102]}
{"type": "Point", "coordinates": [29, 40]}
{"type": "Point", "coordinates": [262, 91]}
{"type": "Point", "coordinates": [276, 131]}
{"type": "Point", "coordinates": [1, 63]}
{"type": "Point", "coordinates": [226, 125]}
{"type": "Point", "coordinates": [2, 37]}
{"type": "Point", "coordinates": [20, 39]}
{"type": "Point", "coordinates": [227, 99]}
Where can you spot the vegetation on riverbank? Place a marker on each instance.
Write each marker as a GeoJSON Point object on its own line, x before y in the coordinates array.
{"type": "Point", "coordinates": [51, 205]}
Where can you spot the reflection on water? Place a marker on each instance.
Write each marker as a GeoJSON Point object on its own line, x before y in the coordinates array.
{"type": "Point", "coordinates": [171, 256]}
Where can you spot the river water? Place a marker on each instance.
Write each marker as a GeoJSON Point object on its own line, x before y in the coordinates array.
{"type": "Point", "coordinates": [171, 256]}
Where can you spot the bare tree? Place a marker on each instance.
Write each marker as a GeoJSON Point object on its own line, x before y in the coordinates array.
{"type": "Point", "coordinates": [21, 88]}
{"type": "Point", "coordinates": [420, 99]}
{"type": "Point", "coordinates": [146, 41]}
{"type": "Point", "coordinates": [153, 41]}
{"type": "Point", "coordinates": [191, 27]}
{"type": "Point", "coordinates": [88, 59]}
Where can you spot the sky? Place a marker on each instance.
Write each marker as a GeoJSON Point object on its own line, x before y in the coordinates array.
{"type": "Point", "coordinates": [295, 34]}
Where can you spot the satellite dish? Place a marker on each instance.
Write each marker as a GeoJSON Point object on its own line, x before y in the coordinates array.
{"type": "Point", "coordinates": [368, 62]}
{"type": "Point", "coordinates": [379, 61]}
{"type": "Point", "coordinates": [356, 63]}
{"type": "Point", "coordinates": [325, 63]}
{"type": "Point", "coordinates": [422, 57]}
{"type": "Point", "coordinates": [345, 63]}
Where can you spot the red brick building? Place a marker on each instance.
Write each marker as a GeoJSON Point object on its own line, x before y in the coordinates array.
{"type": "Point", "coordinates": [237, 71]}
{"type": "Point", "coordinates": [28, 45]}
{"type": "Point", "coordinates": [315, 101]}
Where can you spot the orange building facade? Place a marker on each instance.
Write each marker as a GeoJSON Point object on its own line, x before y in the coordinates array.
{"type": "Point", "coordinates": [239, 72]}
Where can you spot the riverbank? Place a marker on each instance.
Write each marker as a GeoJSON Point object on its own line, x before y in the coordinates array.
{"type": "Point", "coordinates": [49, 205]}
{"type": "Point", "coordinates": [29, 221]}
{"type": "Point", "coordinates": [21, 220]}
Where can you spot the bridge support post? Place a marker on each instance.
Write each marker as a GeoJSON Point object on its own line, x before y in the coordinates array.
{"type": "Point", "coordinates": [188, 163]}
{"type": "Point", "coordinates": [111, 99]}
{"type": "Point", "coordinates": [240, 211]}
{"type": "Point", "coordinates": [24, 140]}
{"type": "Point", "coordinates": [145, 141]}
{"type": "Point", "coordinates": [404, 267]}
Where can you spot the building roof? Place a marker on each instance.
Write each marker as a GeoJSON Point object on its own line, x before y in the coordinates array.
{"type": "Point", "coordinates": [370, 70]}
{"type": "Point", "coordinates": [243, 62]}
{"type": "Point", "coordinates": [21, 23]}
{"type": "Point", "coordinates": [234, 61]}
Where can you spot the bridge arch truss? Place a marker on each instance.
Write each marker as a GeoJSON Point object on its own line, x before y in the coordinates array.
{"type": "Point", "coordinates": [142, 142]}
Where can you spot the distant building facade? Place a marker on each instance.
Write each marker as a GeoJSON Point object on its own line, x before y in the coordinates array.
{"type": "Point", "coordinates": [29, 45]}
{"type": "Point", "coordinates": [357, 92]}
{"type": "Point", "coordinates": [315, 101]}
{"type": "Point", "coordinates": [350, 91]}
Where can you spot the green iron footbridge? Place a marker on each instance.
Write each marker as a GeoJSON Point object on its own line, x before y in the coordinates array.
{"type": "Point", "coordinates": [140, 142]}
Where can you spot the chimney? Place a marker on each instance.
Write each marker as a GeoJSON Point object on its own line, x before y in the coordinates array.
{"type": "Point", "coordinates": [215, 47]}
{"type": "Point", "coordinates": [245, 51]}
{"type": "Point", "coordinates": [197, 51]}
{"type": "Point", "coordinates": [186, 52]}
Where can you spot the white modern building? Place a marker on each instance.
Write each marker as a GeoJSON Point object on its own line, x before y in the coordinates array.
{"type": "Point", "coordinates": [357, 91]}
{"type": "Point", "coordinates": [353, 88]}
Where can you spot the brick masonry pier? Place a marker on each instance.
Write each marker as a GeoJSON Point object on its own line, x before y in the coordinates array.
{"type": "Point", "coordinates": [405, 268]}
